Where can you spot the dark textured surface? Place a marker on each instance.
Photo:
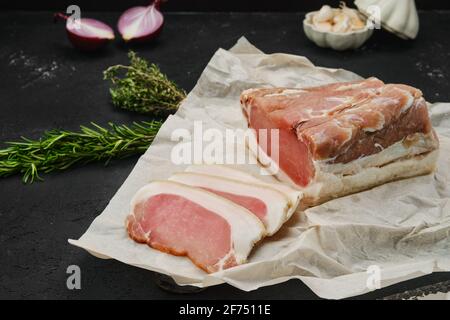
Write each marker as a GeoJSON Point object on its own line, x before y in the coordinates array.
{"type": "Point", "coordinates": [44, 83]}
{"type": "Point", "coordinates": [201, 5]}
{"type": "Point", "coordinates": [421, 292]}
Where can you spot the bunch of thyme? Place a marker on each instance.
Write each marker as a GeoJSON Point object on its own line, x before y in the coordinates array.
{"type": "Point", "coordinates": [143, 88]}
{"type": "Point", "coordinates": [139, 87]}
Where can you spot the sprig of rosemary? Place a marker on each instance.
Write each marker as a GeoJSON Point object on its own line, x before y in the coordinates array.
{"type": "Point", "coordinates": [143, 88]}
{"type": "Point", "coordinates": [139, 87]}
{"type": "Point", "coordinates": [61, 149]}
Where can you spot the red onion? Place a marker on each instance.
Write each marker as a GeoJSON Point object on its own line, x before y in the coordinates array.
{"type": "Point", "coordinates": [141, 23]}
{"type": "Point", "coordinates": [87, 34]}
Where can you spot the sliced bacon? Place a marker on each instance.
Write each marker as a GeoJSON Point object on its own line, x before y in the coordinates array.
{"type": "Point", "coordinates": [178, 219]}
{"type": "Point", "coordinates": [228, 172]}
{"type": "Point", "coordinates": [269, 205]}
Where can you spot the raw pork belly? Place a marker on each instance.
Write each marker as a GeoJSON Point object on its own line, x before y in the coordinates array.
{"type": "Point", "coordinates": [343, 137]}
{"type": "Point", "coordinates": [269, 205]}
{"type": "Point", "coordinates": [213, 232]}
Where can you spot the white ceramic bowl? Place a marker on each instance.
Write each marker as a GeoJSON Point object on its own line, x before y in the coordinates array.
{"type": "Point", "coordinates": [335, 40]}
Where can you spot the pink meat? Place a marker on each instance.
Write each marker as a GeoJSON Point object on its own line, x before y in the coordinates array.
{"type": "Point", "coordinates": [380, 121]}
{"type": "Point", "coordinates": [291, 150]}
{"type": "Point", "coordinates": [254, 205]}
{"type": "Point", "coordinates": [178, 226]}
{"type": "Point", "coordinates": [288, 111]}
{"type": "Point", "coordinates": [336, 123]}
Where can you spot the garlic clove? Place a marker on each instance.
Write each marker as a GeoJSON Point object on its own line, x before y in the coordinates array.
{"type": "Point", "coordinates": [357, 24]}
{"type": "Point", "coordinates": [340, 17]}
{"type": "Point", "coordinates": [340, 20]}
{"type": "Point", "coordinates": [325, 14]}
{"type": "Point", "coordinates": [341, 23]}
{"type": "Point", "coordinates": [350, 13]}
{"type": "Point", "coordinates": [324, 26]}
{"type": "Point", "coordinates": [355, 19]}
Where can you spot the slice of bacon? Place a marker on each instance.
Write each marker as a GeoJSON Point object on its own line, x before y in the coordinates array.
{"type": "Point", "coordinates": [269, 205]}
{"type": "Point", "coordinates": [214, 233]}
{"type": "Point", "coordinates": [229, 172]}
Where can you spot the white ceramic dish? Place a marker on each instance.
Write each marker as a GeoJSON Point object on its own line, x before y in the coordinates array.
{"type": "Point", "coordinates": [335, 40]}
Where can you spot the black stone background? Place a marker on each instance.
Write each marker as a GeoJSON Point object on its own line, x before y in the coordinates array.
{"type": "Point", "coordinates": [36, 220]}
{"type": "Point", "coordinates": [203, 5]}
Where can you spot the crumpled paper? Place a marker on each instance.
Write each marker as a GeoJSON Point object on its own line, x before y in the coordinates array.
{"type": "Point", "coordinates": [392, 233]}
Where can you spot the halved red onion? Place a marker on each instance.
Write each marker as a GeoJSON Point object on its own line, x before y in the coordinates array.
{"type": "Point", "coordinates": [141, 23]}
{"type": "Point", "coordinates": [87, 34]}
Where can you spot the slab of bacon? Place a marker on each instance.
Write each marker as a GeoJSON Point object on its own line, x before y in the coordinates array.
{"type": "Point", "coordinates": [343, 137]}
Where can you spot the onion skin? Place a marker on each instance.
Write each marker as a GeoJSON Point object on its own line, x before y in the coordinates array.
{"type": "Point", "coordinates": [136, 15]}
{"type": "Point", "coordinates": [86, 44]}
{"type": "Point", "coordinates": [92, 36]}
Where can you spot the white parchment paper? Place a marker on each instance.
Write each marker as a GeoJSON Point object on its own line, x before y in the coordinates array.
{"type": "Point", "coordinates": [398, 231]}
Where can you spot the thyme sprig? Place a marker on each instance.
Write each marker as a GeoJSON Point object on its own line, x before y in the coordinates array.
{"type": "Point", "coordinates": [139, 87]}
{"type": "Point", "coordinates": [61, 149]}
{"type": "Point", "coordinates": [142, 87]}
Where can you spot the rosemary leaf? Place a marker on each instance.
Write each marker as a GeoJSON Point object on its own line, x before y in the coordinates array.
{"type": "Point", "coordinates": [143, 88]}
{"type": "Point", "coordinates": [60, 149]}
